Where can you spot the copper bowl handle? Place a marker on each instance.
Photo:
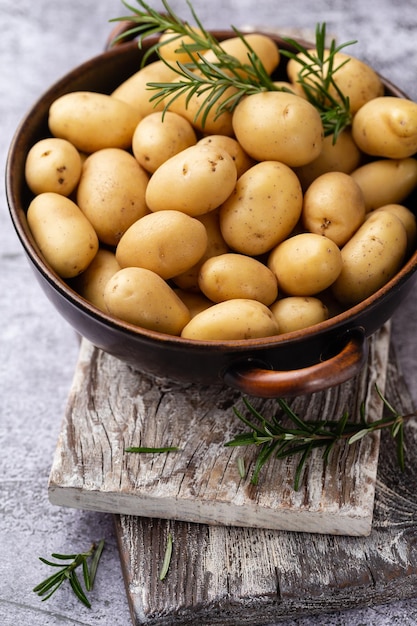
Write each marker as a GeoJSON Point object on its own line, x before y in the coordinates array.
{"type": "Point", "coordinates": [264, 383]}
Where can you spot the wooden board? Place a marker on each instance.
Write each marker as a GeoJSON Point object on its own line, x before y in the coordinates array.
{"type": "Point", "coordinates": [226, 576]}
{"type": "Point", "coordinates": [111, 407]}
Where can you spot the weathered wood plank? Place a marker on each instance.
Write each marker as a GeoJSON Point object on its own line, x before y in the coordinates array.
{"type": "Point", "coordinates": [112, 407]}
{"type": "Point", "coordinates": [225, 576]}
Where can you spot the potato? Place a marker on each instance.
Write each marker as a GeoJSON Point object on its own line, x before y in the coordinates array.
{"type": "Point", "coordinates": [305, 264]}
{"type": "Point", "coordinates": [333, 206]}
{"type": "Point", "coordinates": [356, 80]}
{"type": "Point", "coordinates": [91, 283]}
{"type": "Point", "coordinates": [195, 302]}
{"type": "Point", "coordinates": [230, 276]}
{"type": "Point", "coordinates": [159, 137]}
{"type": "Point", "coordinates": [298, 312]}
{"type": "Point", "coordinates": [166, 242]}
{"type": "Point", "coordinates": [263, 46]}
{"type": "Point", "coordinates": [92, 121]}
{"type": "Point", "coordinates": [111, 192]}
{"type": "Point", "coordinates": [408, 219]}
{"type": "Point", "coordinates": [188, 280]}
{"type": "Point", "coordinates": [278, 126]}
{"type": "Point", "coordinates": [171, 47]}
{"type": "Point", "coordinates": [242, 160]}
{"type": "Point", "coordinates": [386, 127]}
{"type": "Point", "coordinates": [136, 92]}
{"type": "Point", "coordinates": [231, 320]}
{"type": "Point", "coordinates": [371, 258]}
{"type": "Point", "coordinates": [53, 164]}
{"type": "Point", "coordinates": [342, 156]}
{"type": "Point", "coordinates": [194, 181]}
{"type": "Point", "coordinates": [141, 297]}
{"type": "Point", "coordinates": [263, 209]}
{"type": "Point", "coordinates": [386, 181]}
{"type": "Point", "coordinates": [64, 236]}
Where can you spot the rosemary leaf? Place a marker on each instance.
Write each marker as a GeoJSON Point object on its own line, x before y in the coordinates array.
{"type": "Point", "coordinates": [167, 558]}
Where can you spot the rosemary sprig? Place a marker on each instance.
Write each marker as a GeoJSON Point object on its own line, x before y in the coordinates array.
{"type": "Point", "coordinates": [68, 573]}
{"type": "Point", "coordinates": [223, 83]}
{"type": "Point", "coordinates": [277, 440]}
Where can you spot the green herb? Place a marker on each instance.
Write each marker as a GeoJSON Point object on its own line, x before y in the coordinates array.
{"type": "Point", "coordinates": [303, 436]}
{"type": "Point", "coordinates": [145, 450]}
{"type": "Point", "coordinates": [68, 573]}
{"type": "Point", "coordinates": [222, 84]}
{"type": "Point", "coordinates": [167, 558]}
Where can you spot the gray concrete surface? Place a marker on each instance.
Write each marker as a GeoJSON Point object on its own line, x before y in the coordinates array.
{"type": "Point", "coordinates": [40, 41]}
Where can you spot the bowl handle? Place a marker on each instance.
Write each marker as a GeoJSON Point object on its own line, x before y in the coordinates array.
{"type": "Point", "coordinates": [264, 383]}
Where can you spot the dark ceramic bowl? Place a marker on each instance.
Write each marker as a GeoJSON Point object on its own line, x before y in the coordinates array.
{"type": "Point", "coordinates": [300, 362]}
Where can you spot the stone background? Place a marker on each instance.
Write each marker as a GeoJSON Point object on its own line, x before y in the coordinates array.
{"type": "Point", "coordinates": [40, 41]}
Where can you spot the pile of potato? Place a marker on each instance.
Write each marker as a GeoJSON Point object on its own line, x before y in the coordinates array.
{"type": "Point", "coordinates": [252, 225]}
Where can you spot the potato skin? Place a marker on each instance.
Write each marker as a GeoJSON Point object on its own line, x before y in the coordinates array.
{"type": "Point", "coordinates": [92, 282]}
{"type": "Point", "coordinates": [231, 320]}
{"type": "Point", "coordinates": [111, 192]}
{"type": "Point", "coordinates": [386, 127]}
{"type": "Point", "coordinates": [65, 237]}
{"type": "Point", "coordinates": [298, 312]}
{"type": "Point", "coordinates": [408, 219]}
{"type": "Point", "coordinates": [166, 242]}
{"type": "Point", "coordinates": [159, 137]}
{"type": "Point", "coordinates": [141, 297]}
{"type": "Point", "coordinates": [263, 209]}
{"type": "Point", "coordinates": [230, 276]}
{"type": "Point", "coordinates": [92, 121]}
{"type": "Point", "coordinates": [53, 164]}
{"type": "Point", "coordinates": [278, 126]}
{"type": "Point", "coordinates": [333, 206]}
{"type": "Point", "coordinates": [386, 181]}
{"type": "Point", "coordinates": [305, 264]}
{"type": "Point", "coordinates": [194, 181]}
{"type": "Point", "coordinates": [371, 258]}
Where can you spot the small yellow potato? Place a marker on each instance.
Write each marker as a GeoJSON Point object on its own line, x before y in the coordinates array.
{"type": "Point", "coordinates": [386, 127]}
{"type": "Point", "coordinates": [356, 80]}
{"type": "Point", "coordinates": [53, 164]}
{"type": "Point", "coordinates": [333, 206]}
{"type": "Point", "coordinates": [92, 121]}
{"type": "Point", "coordinates": [111, 192]}
{"type": "Point", "coordinates": [159, 137]}
{"type": "Point", "coordinates": [167, 242]}
{"type": "Point", "coordinates": [64, 236]}
{"type": "Point", "coordinates": [231, 320]}
{"type": "Point", "coordinates": [298, 312]}
{"type": "Point", "coordinates": [171, 47]}
{"type": "Point", "coordinates": [92, 282]}
{"type": "Point", "coordinates": [194, 181]}
{"type": "Point", "coordinates": [136, 92]}
{"type": "Point", "coordinates": [195, 302]}
{"type": "Point", "coordinates": [230, 276]}
{"type": "Point", "coordinates": [305, 264]}
{"type": "Point", "coordinates": [408, 219]}
{"type": "Point", "coordinates": [386, 181]}
{"type": "Point", "coordinates": [371, 258]}
{"type": "Point", "coordinates": [264, 47]}
{"type": "Point", "coordinates": [342, 156]}
{"type": "Point", "coordinates": [189, 107]}
{"type": "Point", "coordinates": [263, 209]}
{"type": "Point", "coordinates": [278, 126]}
{"type": "Point", "coordinates": [141, 297]}
{"type": "Point", "coordinates": [242, 160]}
{"type": "Point", "coordinates": [188, 280]}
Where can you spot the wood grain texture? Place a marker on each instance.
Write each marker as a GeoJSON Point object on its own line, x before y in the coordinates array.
{"type": "Point", "coordinates": [112, 407]}
{"type": "Point", "coordinates": [227, 576]}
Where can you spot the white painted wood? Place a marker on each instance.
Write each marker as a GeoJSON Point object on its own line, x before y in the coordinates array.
{"type": "Point", "coordinates": [112, 407]}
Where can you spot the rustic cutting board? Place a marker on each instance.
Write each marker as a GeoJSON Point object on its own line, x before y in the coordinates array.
{"type": "Point", "coordinates": [111, 407]}
{"type": "Point", "coordinates": [228, 575]}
